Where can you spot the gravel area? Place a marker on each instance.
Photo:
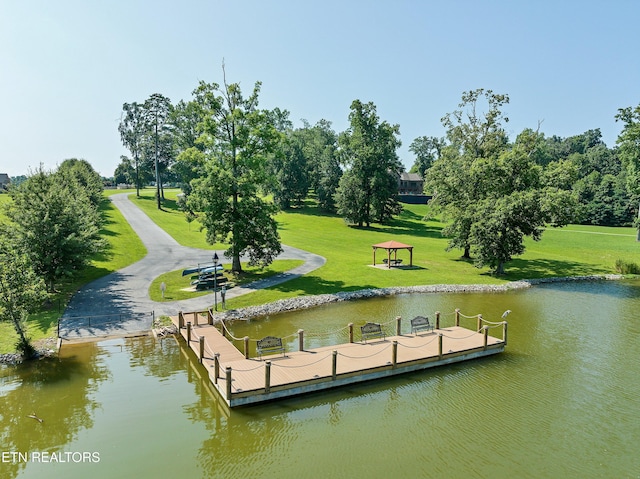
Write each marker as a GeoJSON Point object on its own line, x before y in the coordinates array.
{"type": "Point", "coordinates": [304, 302]}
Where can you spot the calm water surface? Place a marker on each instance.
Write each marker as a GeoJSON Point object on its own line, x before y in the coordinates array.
{"type": "Point", "coordinates": [562, 401]}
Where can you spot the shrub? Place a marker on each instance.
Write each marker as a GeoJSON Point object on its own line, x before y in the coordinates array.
{"type": "Point", "coordinates": [627, 267]}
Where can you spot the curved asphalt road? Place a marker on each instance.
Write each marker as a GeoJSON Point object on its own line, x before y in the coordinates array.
{"type": "Point", "coordinates": [120, 303]}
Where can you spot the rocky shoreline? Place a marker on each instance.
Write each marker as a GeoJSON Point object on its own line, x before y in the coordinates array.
{"type": "Point", "coordinates": [45, 349]}
{"type": "Point", "coordinates": [305, 302]}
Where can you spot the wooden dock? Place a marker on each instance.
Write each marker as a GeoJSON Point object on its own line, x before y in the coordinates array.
{"type": "Point", "coordinates": [242, 380]}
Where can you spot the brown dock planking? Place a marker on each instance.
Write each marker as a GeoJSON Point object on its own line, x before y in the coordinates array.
{"type": "Point", "coordinates": [276, 376]}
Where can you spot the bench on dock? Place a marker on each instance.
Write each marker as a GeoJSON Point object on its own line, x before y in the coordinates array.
{"type": "Point", "coordinates": [420, 323]}
{"type": "Point", "coordinates": [372, 331]}
{"type": "Point", "coordinates": [270, 345]}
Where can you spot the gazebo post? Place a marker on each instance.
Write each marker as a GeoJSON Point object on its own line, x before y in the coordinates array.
{"type": "Point", "coordinates": [410, 256]}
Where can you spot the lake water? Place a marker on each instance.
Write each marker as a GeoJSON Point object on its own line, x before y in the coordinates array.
{"type": "Point", "coordinates": [562, 401]}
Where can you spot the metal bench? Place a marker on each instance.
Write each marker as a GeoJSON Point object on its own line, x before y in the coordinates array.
{"type": "Point", "coordinates": [420, 323]}
{"type": "Point", "coordinates": [270, 345]}
{"type": "Point", "coordinates": [372, 331]}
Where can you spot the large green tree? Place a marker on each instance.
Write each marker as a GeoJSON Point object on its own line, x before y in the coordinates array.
{"type": "Point", "coordinates": [21, 290]}
{"type": "Point", "coordinates": [133, 129]}
{"type": "Point", "coordinates": [493, 193]}
{"type": "Point", "coordinates": [86, 177]}
{"type": "Point", "coordinates": [369, 153]}
{"type": "Point", "coordinates": [474, 136]}
{"type": "Point", "coordinates": [629, 147]}
{"type": "Point", "coordinates": [321, 150]}
{"type": "Point", "coordinates": [239, 140]}
{"type": "Point", "coordinates": [515, 204]}
{"type": "Point", "coordinates": [427, 150]}
{"type": "Point", "coordinates": [55, 223]}
{"type": "Point", "coordinates": [156, 111]}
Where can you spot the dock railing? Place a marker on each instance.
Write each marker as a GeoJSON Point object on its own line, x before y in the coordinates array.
{"type": "Point", "coordinates": [438, 334]}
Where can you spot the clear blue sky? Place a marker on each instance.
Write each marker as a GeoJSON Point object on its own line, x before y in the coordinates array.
{"type": "Point", "coordinates": [66, 67]}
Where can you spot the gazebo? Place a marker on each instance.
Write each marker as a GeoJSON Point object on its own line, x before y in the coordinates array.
{"type": "Point", "coordinates": [392, 247]}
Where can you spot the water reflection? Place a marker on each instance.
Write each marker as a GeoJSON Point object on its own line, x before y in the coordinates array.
{"type": "Point", "coordinates": [561, 401]}
{"type": "Point", "coordinates": [56, 391]}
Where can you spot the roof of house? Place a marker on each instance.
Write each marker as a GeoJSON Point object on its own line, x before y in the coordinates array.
{"type": "Point", "coordinates": [404, 176]}
{"type": "Point", "coordinates": [4, 178]}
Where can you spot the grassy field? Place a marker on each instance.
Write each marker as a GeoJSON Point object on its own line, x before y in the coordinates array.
{"type": "Point", "coordinates": [570, 251]}
{"type": "Point", "coordinates": [172, 220]}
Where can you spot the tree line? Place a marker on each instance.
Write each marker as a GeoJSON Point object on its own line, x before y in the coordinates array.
{"type": "Point", "coordinates": [491, 191]}
{"type": "Point", "coordinates": [52, 232]}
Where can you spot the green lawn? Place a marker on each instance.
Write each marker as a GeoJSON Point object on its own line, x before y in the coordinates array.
{"type": "Point", "coordinates": [574, 250]}
{"type": "Point", "coordinates": [172, 220]}
{"type": "Point", "coordinates": [176, 284]}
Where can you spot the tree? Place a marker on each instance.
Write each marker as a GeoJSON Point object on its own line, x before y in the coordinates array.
{"type": "Point", "coordinates": [629, 150]}
{"type": "Point", "coordinates": [474, 137]}
{"type": "Point", "coordinates": [239, 140]}
{"type": "Point", "coordinates": [124, 172]}
{"type": "Point", "coordinates": [319, 147]}
{"type": "Point", "coordinates": [21, 290]}
{"type": "Point", "coordinates": [291, 171]}
{"type": "Point", "coordinates": [156, 113]}
{"type": "Point", "coordinates": [86, 178]}
{"type": "Point", "coordinates": [427, 150]}
{"type": "Point", "coordinates": [132, 130]}
{"type": "Point", "coordinates": [183, 120]}
{"type": "Point", "coordinates": [372, 166]}
{"type": "Point", "coordinates": [55, 224]}
{"type": "Point", "coordinates": [515, 204]}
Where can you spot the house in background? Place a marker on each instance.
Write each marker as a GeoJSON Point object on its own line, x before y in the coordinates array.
{"type": "Point", "coordinates": [5, 181]}
{"type": "Point", "coordinates": [411, 189]}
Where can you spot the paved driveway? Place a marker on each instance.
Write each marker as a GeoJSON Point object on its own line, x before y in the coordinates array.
{"type": "Point", "coordinates": [120, 303]}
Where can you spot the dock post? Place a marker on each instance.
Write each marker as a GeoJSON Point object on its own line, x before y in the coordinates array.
{"type": "Point", "coordinates": [201, 348]}
{"type": "Point", "coordinates": [398, 325]}
{"type": "Point", "coordinates": [246, 347]}
{"type": "Point", "coordinates": [209, 317]}
{"type": "Point", "coordinates": [267, 377]}
{"type": "Point", "coordinates": [223, 329]}
{"type": "Point", "coordinates": [440, 345]}
{"type": "Point", "coordinates": [188, 332]}
{"type": "Point", "coordinates": [300, 339]}
{"type": "Point", "coordinates": [195, 318]}
{"type": "Point", "coordinates": [504, 332]}
{"type": "Point", "coordinates": [437, 319]}
{"type": "Point", "coordinates": [228, 383]}
{"type": "Point", "coordinates": [180, 320]}
{"type": "Point", "coordinates": [351, 332]}
{"type": "Point", "coordinates": [394, 355]}
{"type": "Point", "coordinates": [457, 317]}
{"type": "Point", "coordinates": [479, 322]}
{"type": "Point", "coordinates": [216, 367]}
{"type": "Point", "coordinates": [486, 336]}
{"type": "Point", "coordinates": [334, 365]}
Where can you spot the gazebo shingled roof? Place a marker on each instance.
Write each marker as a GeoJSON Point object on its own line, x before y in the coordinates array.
{"type": "Point", "coordinates": [392, 246]}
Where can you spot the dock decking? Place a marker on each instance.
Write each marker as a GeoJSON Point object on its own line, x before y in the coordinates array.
{"type": "Point", "coordinates": [243, 381]}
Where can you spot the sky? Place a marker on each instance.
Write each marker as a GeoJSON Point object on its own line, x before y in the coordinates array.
{"type": "Point", "coordinates": [67, 67]}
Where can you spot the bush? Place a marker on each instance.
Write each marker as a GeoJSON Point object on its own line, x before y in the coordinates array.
{"type": "Point", "coordinates": [627, 267]}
